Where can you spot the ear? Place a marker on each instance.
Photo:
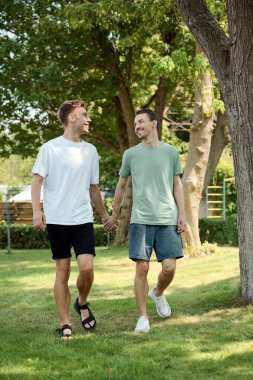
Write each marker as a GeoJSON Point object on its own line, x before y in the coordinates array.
{"type": "Point", "coordinates": [71, 117]}
{"type": "Point", "coordinates": [154, 123]}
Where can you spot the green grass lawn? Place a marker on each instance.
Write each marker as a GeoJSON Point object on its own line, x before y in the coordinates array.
{"type": "Point", "coordinates": [208, 336]}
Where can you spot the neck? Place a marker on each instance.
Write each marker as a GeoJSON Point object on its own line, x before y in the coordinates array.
{"type": "Point", "coordinates": [151, 142]}
{"type": "Point", "coordinates": [71, 135]}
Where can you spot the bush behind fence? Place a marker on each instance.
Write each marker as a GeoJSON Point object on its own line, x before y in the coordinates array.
{"type": "Point", "coordinates": [25, 236]}
{"type": "Point", "coordinates": [223, 232]}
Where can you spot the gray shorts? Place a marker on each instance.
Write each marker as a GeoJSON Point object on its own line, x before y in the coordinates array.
{"type": "Point", "coordinates": [164, 240]}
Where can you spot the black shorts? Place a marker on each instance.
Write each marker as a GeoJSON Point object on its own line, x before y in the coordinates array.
{"type": "Point", "coordinates": [62, 238]}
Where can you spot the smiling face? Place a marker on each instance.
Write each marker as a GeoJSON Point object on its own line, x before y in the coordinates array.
{"type": "Point", "coordinates": [80, 120]}
{"type": "Point", "coordinates": [144, 127]}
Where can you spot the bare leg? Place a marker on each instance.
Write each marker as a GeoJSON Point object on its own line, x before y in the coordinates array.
{"type": "Point", "coordinates": [166, 275]}
{"type": "Point", "coordinates": [84, 282]}
{"type": "Point", "coordinates": [141, 286]}
{"type": "Point", "coordinates": [61, 291]}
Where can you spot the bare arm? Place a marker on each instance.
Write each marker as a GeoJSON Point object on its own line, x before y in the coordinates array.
{"type": "Point", "coordinates": [118, 197]}
{"type": "Point", "coordinates": [96, 199]}
{"type": "Point", "coordinates": [179, 197]}
{"type": "Point", "coordinates": [39, 219]}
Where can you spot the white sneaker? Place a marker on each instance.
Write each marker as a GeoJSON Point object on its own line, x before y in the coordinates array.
{"type": "Point", "coordinates": [142, 325]}
{"type": "Point", "coordinates": [162, 307]}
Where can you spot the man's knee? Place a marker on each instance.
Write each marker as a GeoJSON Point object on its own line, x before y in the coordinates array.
{"type": "Point", "coordinates": [142, 267]}
{"type": "Point", "coordinates": [86, 270]}
{"type": "Point", "coordinates": [63, 271]}
{"type": "Point", "coordinates": [169, 267]}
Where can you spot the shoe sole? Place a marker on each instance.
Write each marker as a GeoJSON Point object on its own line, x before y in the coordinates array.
{"type": "Point", "coordinates": [142, 331]}
{"type": "Point", "coordinates": [162, 315]}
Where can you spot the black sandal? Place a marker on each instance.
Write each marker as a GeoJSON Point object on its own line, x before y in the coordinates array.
{"type": "Point", "coordinates": [91, 317]}
{"type": "Point", "coordinates": [61, 333]}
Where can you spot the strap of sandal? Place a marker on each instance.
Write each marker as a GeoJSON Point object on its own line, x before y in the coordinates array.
{"type": "Point", "coordinates": [83, 307]}
{"type": "Point", "coordinates": [64, 327]}
{"type": "Point", "coordinates": [61, 333]}
{"type": "Point", "coordinates": [88, 320]}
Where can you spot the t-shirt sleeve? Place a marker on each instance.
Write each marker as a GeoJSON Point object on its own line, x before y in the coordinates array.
{"type": "Point", "coordinates": [125, 166]}
{"type": "Point", "coordinates": [177, 165]}
{"type": "Point", "coordinates": [94, 178]}
{"type": "Point", "coordinates": [42, 162]}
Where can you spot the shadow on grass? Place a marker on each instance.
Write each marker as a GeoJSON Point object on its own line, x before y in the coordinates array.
{"type": "Point", "coordinates": [203, 348]}
{"type": "Point", "coordinates": [209, 335]}
{"type": "Point", "coordinates": [206, 348]}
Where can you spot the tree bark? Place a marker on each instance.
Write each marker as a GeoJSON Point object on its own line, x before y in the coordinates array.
{"type": "Point", "coordinates": [128, 112]}
{"type": "Point", "coordinates": [121, 127]}
{"type": "Point", "coordinates": [232, 62]}
{"type": "Point", "coordinates": [160, 101]}
{"type": "Point", "coordinates": [127, 108]}
{"type": "Point", "coordinates": [198, 153]}
{"type": "Point", "coordinates": [220, 139]}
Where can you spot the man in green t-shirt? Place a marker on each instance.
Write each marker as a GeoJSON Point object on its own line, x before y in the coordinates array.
{"type": "Point", "coordinates": [158, 215]}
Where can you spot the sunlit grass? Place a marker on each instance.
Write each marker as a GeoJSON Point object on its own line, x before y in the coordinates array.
{"type": "Point", "coordinates": [209, 335]}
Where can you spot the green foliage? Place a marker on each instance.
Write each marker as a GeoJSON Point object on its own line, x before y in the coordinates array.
{"type": "Point", "coordinates": [55, 51]}
{"type": "Point", "coordinates": [108, 203]}
{"type": "Point", "coordinates": [223, 232]}
{"type": "Point", "coordinates": [24, 236]}
{"type": "Point", "coordinates": [16, 171]}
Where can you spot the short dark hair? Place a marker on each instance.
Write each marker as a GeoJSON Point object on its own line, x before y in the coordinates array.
{"type": "Point", "coordinates": [67, 107]}
{"type": "Point", "coordinates": [151, 115]}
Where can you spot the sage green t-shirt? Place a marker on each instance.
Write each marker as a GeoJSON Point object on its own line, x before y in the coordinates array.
{"type": "Point", "coordinates": [152, 171]}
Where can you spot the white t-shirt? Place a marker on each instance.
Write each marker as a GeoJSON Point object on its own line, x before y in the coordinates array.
{"type": "Point", "coordinates": [68, 169]}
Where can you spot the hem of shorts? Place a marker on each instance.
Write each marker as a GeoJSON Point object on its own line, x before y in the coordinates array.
{"type": "Point", "coordinates": [69, 257]}
{"type": "Point", "coordinates": [69, 223]}
{"type": "Point", "coordinates": [153, 223]}
{"type": "Point", "coordinates": [138, 258]}
{"type": "Point", "coordinates": [86, 253]}
{"type": "Point", "coordinates": [172, 257]}
{"type": "Point", "coordinates": [61, 258]}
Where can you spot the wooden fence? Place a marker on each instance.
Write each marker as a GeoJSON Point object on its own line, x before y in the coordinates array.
{"type": "Point", "coordinates": [20, 212]}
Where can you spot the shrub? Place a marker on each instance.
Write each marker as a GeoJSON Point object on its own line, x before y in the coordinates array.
{"type": "Point", "coordinates": [24, 236]}
{"type": "Point", "coordinates": [230, 229]}
{"type": "Point", "coordinates": [212, 230]}
{"type": "Point", "coordinates": [219, 231]}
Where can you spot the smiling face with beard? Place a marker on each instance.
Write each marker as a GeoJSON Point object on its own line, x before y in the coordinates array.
{"type": "Point", "coordinates": [144, 127]}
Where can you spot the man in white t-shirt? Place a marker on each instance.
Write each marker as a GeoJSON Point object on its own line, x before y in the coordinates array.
{"type": "Point", "coordinates": [68, 168]}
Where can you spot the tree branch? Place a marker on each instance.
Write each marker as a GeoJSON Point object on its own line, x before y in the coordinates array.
{"type": "Point", "coordinates": [98, 138]}
{"type": "Point", "coordinates": [208, 33]}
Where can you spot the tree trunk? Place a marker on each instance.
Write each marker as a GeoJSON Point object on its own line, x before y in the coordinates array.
{"type": "Point", "coordinates": [220, 139]}
{"type": "Point", "coordinates": [126, 105]}
{"type": "Point", "coordinates": [121, 127]}
{"type": "Point", "coordinates": [232, 62]}
{"type": "Point", "coordinates": [239, 103]}
{"type": "Point", "coordinates": [160, 101]}
{"type": "Point", "coordinates": [128, 112]}
{"type": "Point", "coordinates": [198, 153]}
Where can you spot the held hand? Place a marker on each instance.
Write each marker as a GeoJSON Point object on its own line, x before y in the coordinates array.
{"type": "Point", "coordinates": [39, 220]}
{"type": "Point", "coordinates": [111, 224]}
{"type": "Point", "coordinates": [181, 223]}
{"type": "Point", "coordinates": [105, 219]}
